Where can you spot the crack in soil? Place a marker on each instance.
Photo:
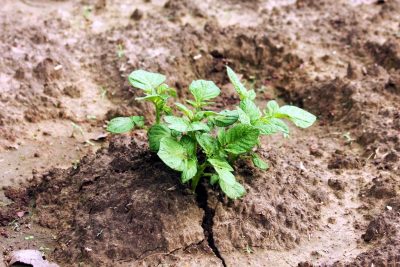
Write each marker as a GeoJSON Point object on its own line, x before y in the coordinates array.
{"type": "Point", "coordinates": [208, 220]}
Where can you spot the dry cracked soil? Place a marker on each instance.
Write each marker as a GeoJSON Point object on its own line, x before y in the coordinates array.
{"type": "Point", "coordinates": [84, 198]}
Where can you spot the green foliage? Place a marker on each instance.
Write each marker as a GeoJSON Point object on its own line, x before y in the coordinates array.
{"type": "Point", "coordinates": [124, 124]}
{"type": "Point", "coordinates": [241, 138]}
{"type": "Point", "coordinates": [226, 118]}
{"type": "Point", "coordinates": [201, 143]}
{"type": "Point", "coordinates": [298, 116]}
{"type": "Point", "coordinates": [173, 153]}
{"type": "Point", "coordinates": [155, 134]}
{"type": "Point", "coordinates": [145, 80]}
{"type": "Point", "coordinates": [203, 90]}
{"type": "Point", "coordinates": [259, 162]}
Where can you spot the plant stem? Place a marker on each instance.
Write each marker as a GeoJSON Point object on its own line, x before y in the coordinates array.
{"type": "Point", "coordinates": [199, 174]}
{"type": "Point", "coordinates": [157, 115]}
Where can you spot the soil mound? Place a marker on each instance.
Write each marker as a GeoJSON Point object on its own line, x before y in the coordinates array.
{"type": "Point", "coordinates": [123, 205]}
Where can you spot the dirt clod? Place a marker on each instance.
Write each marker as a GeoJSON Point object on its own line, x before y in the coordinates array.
{"type": "Point", "coordinates": [72, 91]}
{"type": "Point", "coordinates": [336, 184]}
{"type": "Point", "coordinates": [137, 14]}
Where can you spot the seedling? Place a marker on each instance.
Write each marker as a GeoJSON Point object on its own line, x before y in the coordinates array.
{"type": "Point", "coordinates": [103, 92]}
{"type": "Point", "coordinates": [29, 237]}
{"type": "Point", "coordinates": [91, 117]}
{"type": "Point", "coordinates": [201, 143]}
{"type": "Point", "coordinates": [348, 138]}
{"type": "Point", "coordinates": [120, 51]}
{"type": "Point", "coordinates": [44, 249]}
{"type": "Point", "coordinates": [80, 130]}
{"type": "Point", "coordinates": [75, 164]}
{"type": "Point", "coordinates": [248, 249]}
{"type": "Point", "coordinates": [15, 225]}
{"type": "Point", "coordinates": [87, 11]}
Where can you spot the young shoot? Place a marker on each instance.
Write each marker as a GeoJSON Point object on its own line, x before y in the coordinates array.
{"type": "Point", "coordinates": [204, 144]}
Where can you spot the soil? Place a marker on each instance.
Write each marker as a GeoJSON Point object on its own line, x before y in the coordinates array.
{"type": "Point", "coordinates": [84, 198]}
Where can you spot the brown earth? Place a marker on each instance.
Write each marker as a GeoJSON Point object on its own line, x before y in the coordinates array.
{"type": "Point", "coordinates": [330, 198]}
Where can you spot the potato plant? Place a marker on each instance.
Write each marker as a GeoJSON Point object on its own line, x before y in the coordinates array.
{"type": "Point", "coordinates": [201, 143]}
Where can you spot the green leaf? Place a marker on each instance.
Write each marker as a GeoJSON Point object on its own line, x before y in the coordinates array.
{"type": "Point", "coordinates": [145, 80]}
{"type": "Point", "coordinates": [241, 139]}
{"type": "Point", "coordinates": [172, 153]}
{"type": "Point", "coordinates": [184, 125]}
{"type": "Point", "coordinates": [226, 118]}
{"type": "Point", "coordinates": [177, 124]}
{"type": "Point", "coordinates": [189, 144]}
{"type": "Point", "coordinates": [240, 89]}
{"type": "Point", "coordinates": [164, 89]}
{"type": "Point", "coordinates": [271, 126]}
{"type": "Point", "coordinates": [226, 179]}
{"type": "Point", "coordinates": [250, 108]}
{"type": "Point", "coordinates": [167, 110]}
{"type": "Point", "coordinates": [221, 136]}
{"type": "Point", "coordinates": [192, 103]}
{"type": "Point", "coordinates": [207, 143]}
{"type": "Point", "coordinates": [158, 100]}
{"type": "Point", "coordinates": [204, 90]}
{"type": "Point", "coordinates": [234, 191]}
{"type": "Point", "coordinates": [175, 134]}
{"type": "Point", "coordinates": [138, 120]}
{"type": "Point", "coordinates": [272, 107]}
{"type": "Point", "coordinates": [155, 134]}
{"type": "Point", "coordinates": [251, 94]}
{"type": "Point", "coordinates": [243, 117]}
{"type": "Point", "coordinates": [220, 164]}
{"type": "Point", "coordinates": [214, 179]}
{"type": "Point", "coordinates": [151, 98]}
{"type": "Point", "coordinates": [204, 114]}
{"type": "Point", "coordinates": [185, 110]}
{"type": "Point", "coordinates": [124, 124]}
{"type": "Point", "coordinates": [198, 126]}
{"type": "Point", "coordinates": [258, 162]}
{"type": "Point", "coordinates": [190, 170]}
{"type": "Point", "coordinates": [226, 176]}
{"type": "Point", "coordinates": [298, 116]}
